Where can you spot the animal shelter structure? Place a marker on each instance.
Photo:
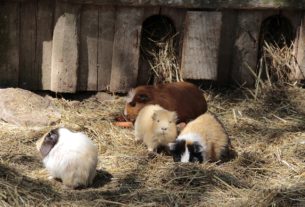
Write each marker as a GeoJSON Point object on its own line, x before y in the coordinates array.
{"type": "Point", "coordinates": [95, 45]}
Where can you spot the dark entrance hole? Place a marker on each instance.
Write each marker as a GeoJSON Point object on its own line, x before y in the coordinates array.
{"type": "Point", "coordinates": [275, 49]}
{"type": "Point", "coordinates": [158, 38]}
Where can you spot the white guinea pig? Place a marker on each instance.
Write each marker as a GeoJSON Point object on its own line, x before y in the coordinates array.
{"type": "Point", "coordinates": [69, 156]}
{"type": "Point", "coordinates": [156, 126]}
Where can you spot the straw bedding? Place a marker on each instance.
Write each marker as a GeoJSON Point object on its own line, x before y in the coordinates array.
{"type": "Point", "coordinates": [268, 134]}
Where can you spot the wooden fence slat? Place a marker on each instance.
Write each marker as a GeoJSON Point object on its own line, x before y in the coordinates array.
{"type": "Point", "coordinates": [45, 12]}
{"type": "Point", "coordinates": [300, 53]}
{"type": "Point", "coordinates": [245, 51]}
{"type": "Point", "coordinates": [105, 45]}
{"type": "Point", "coordinates": [28, 76]}
{"type": "Point", "coordinates": [201, 45]}
{"type": "Point", "coordinates": [125, 58]}
{"type": "Point", "coordinates": [87, 75]}
{"type": "Point", "coordinates": [65, 51]}
{"type": "Point", "coordinates": [9, 46]}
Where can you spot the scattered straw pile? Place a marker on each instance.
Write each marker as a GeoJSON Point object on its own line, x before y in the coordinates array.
{"type": "Point", "coordinates": [268, 135]}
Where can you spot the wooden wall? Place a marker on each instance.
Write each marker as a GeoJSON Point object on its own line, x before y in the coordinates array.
{"type": "Point", "coordinates": [67, 47]}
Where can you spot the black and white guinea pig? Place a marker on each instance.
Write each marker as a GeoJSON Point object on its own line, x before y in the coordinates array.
{"type": "Point", "coordinates": [69, 156]}
{"type": "Point", "coordinates": [203, 139]}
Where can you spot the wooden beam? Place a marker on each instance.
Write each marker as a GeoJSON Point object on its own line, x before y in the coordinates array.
{"type": "Point", "coordinates": [201, 4]}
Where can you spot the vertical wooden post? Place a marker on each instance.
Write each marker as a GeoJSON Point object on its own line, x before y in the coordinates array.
{"type": "Point", "coordinates": [125, 58]}
{"type": "Point", "coordinates": [201, 45]}
{"type": "Point", "coordinates": [65, 52]}
{"type": "Point", "coordinates": [9, 46]}
{"type": "Point", "coordinates": [106, 21]}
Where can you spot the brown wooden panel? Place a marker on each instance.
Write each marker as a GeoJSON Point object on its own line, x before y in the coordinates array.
{"type": "Point", "coordinates": [45, 12]}
{"type": "Point", "coordinates": [201, 4]}
{"type": "Point", "coordinates": [299, 47]}
{"type": "Point", "coordinates": [87, 74]}
{"type": "Point", "coordinates": [9, 46]}
{"type": "Point", "coordinates": [65, 50]}
{"type": "Point", "coordinates": [106, 21]}
{"type": "Point", "coordinates": [245, 51]}
{"type": "Point", "coordinates": [201, 45]}
{"type": "Point", "coordinates": [125, 58]}
{"type": "Point", "coordinates": [28, 76]}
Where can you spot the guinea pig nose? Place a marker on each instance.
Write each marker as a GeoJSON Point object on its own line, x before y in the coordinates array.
{"type": "Point", "coordinates": [164, 128]}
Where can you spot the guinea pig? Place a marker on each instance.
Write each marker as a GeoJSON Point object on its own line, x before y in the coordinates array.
{"type": "Point", "coordinates": [203, 139]}
{"type": "Point", "coordinates": [182, 97]}
{"type": "Point", "coordinates": [156, 126]}
{"type": "Point", "coordinates": [69, 156]}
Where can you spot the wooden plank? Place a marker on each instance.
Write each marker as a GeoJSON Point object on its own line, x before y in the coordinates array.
{"type": "Point", "coordinates": [87, 74]}
{"type": "Point", "coordinates": [228, 30]}
{"type": "Point", "coordinates": [28, 76]}
{"type": "Point", "coordinates": [201, 44]}
{"type": "Point", "coordinates": [106, 28]}
{"type": "Point", "coordinates": [125, 58]}
{"type": "Point", "coordinates": [65, 51]}
{"type": "Point", "coordinates": [245, 51]}
{"type": "Point", "coordinates": [300, 52]}
{"type": "Point", "coordinates": [201, 4]}
{"type": "Point", "coordinates": [9, 47]}
{"type": "Point", "coordinates": [45, 12]}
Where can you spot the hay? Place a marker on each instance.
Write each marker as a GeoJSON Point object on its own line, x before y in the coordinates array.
{"type": "Point", "coordinates": [268, 134]}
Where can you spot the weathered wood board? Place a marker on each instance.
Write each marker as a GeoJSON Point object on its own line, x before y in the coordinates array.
{"type": "Point", "coordinates": [105, 45]}
{"type": "Point", "coordinates": [45, 12]}
{"type": "Point", "coordinates": [202, 4]}
{"type": "Point", "coordinates": [28, 75]}
{"type": "Point", "coordinates": [300, 52]}
{"type": "Point", "coordinates": [125, 59]}
{"type": "Point", "coordinates": [201, 45]}
{"type": "Point", "coordinates": [9, 47]}
{"type": "Point", "coordinates": [65, 51]}
{"type": "Point", "coordinates": [87, 74]}
{"type": "Point", "coordinates": [245, 51]}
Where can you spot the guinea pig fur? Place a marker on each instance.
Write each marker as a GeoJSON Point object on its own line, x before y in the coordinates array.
{"type": "Point", "coordinates": [203, 139]}
{"type": "Point", "coordinates": [156, 126]}
{"type": "Point", "coordinates": [69, 156]}
{"type": "Point", "coordinates": [182, 97]}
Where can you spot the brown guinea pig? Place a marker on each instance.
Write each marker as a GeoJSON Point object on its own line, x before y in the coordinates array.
{"type": "Point", "coordinates": [182, 97]}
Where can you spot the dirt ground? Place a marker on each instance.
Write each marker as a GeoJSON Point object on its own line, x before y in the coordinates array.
{"type": "Point", "coordinates": [268, 134]}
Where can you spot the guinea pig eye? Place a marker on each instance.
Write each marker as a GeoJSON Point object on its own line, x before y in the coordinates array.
{"type": "Point", "coordinates": [133, 104]}
{"type": "Point", "coordinates": [158, 121]}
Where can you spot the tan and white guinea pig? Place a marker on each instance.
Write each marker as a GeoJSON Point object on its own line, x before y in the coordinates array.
{"type": "Point", "coordinates": [203, 139]}
{"type": "Point", "coordinates": [69, 156]}
{"type": "Point", "coordinates": [156, 126]}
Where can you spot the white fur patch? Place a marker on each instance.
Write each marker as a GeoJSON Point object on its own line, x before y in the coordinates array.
{"type": "Point", "coordinates": [186, 156]}
{"type": "Point", "coordinates": [130, 95]}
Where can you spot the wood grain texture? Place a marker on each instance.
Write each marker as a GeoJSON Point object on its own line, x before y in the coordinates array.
{"type": "Point", "coordinates": [125, 60]}
{"type": "Point", "coordinates": [201, 45]}
{"type": "Point", "coordinates": [87, 74]}
{"type": "Point", "coordinates": [106, 28]}
{"type": "Point", "coordinates": [201, 4]}
{"type": "Point", "coordinates": [9, 47]}
{"type": "Point", "coordinates": [45, 12]}
{"type": "Point", "coordinates": [28, 74]}
{"type": "Point", "coordinates": [65, 51]}
{"type": "Point", "coordinates": [245, 51]}
{"type": "Point", "coordinates": [299, 50]}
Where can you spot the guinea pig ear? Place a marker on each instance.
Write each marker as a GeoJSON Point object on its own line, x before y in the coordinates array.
{"type": "Point", "coordinates": [154, 116]}
{"type": "Point", "coordinates": [143, 98]}
{"type": "Point", "coordinates": [175, 116]}
{"type": "Point", "coordinates": [49, 142]}
{"type": "Point", "coordinates": [197, 147]}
